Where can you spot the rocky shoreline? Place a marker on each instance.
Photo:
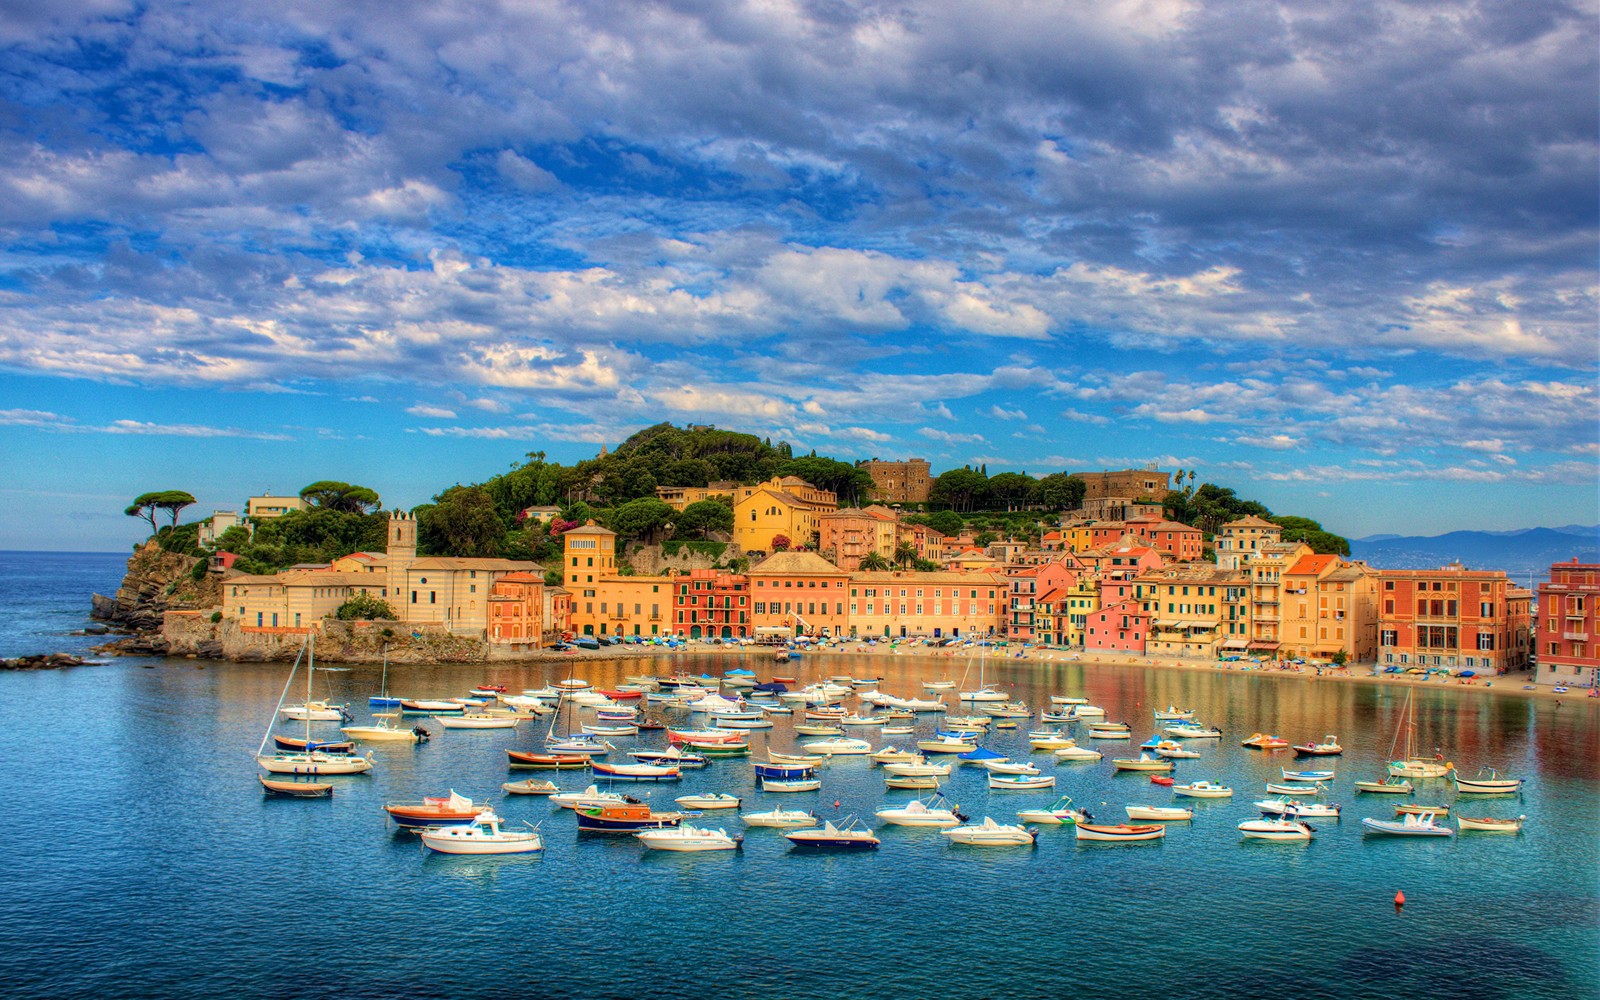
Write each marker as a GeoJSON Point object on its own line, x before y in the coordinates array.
{"type": "Point", "coordinates": [44, 661]}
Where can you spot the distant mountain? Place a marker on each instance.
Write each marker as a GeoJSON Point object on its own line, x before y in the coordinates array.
{"type": "Point", "coordinates": [1519, 553]}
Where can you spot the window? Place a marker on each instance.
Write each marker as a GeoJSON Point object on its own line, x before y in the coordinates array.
{"type": "Point", "coordinates": [1485, 640]}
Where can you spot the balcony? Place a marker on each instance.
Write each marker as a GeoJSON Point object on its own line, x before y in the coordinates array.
{"type": "Point", "coordinates": [1579, 636]}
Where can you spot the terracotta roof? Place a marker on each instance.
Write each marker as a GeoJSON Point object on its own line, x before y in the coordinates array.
{"type": "Point", "coordinates": [795, 564]}
{"type": "Point", "coordinates": [1312, 565]}
{"type": "Point", "coordinates": [521, 578]}
{"type": "Point", "coordinates": [488, 565]}
{"type": "Point", "coordinates": [589, 529]}
{"type": "Point", "coordinates": [1250, 521]}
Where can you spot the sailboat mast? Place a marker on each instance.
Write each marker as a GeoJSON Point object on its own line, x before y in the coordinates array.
{"type": "Point", "coordinates": [311, 669]}
{"type": "Point", "coordinates": [273, 721]}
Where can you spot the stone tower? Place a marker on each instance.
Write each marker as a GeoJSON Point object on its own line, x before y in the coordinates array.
{"type": "Point", "coordinates": [402, 552]}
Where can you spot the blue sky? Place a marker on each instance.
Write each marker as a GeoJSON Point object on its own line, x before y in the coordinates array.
{"type": "Point", "coordinates": [1340, 257]}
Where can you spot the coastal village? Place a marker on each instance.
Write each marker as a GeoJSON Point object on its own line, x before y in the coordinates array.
{"type": "Point", "coordinates": [1114, 576]}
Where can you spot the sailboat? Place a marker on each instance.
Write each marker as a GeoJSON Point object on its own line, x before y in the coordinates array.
{"type": "Point", "coordinates": [984, 692]}
{"type": "Point", "coordinates": [382, 730]}
{"type": "Point", "coordinates": [311, 760]}
{"type": "Point", "coordinates": [1413, 766]}
{"type": "Point", "coordinates": [572, 743]}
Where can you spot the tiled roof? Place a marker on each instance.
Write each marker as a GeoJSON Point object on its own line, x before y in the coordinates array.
{"type": "Point", "coordinates": [795, 563]}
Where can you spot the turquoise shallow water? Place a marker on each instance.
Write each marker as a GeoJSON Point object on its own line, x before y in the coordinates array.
{"type": "Point", "coordinates": [147, 863]}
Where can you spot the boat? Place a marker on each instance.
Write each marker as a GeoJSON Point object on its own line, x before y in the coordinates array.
{"type": "Point", "coordinates": [1276, 829]}
{"type": "Point", "coordinates": [549, 761]}
{"type": "Point", "coordinates": [1003, 766]}
{"type": "Point", "coordinates": [781, 818]}
{"type": "Point", "coordinates": [1305, 776]}
{"type": "Point", "coordinates": [790, 784]}
{"type": "Point", "coordinates": [1050, 739]}
{"type": "Point", "coordinates": [947, 743]}
{"type": "Point", "coordinates": [1173, 750]}
{"type": "Point", "coordinates": [709, 800]}
{"type": "Point", "coordinates": [1203, 789]}
{"type": "Point", "coordinates": [1163, 780]}
{"type": "Point", "coordinates": [1329, 747]}
{"type": "Point", "coordinates": [626, 818]}
{"type": "Point", "coordinates": [1412, 766]}
{"type": "Point", "coordinates": [911, 781]}
{"type": "Point", "coordinates": [863, 720]}
{"type": "Point", "coordinates": [1390, 785]}
{"type": "Point", "coordinates": [931, 811]}
{"type": "Point", "coordinates": [1060, 813]}
{"type": "Point", "coordinates": [1110, 731]}
{"type": "Point", "coordinates": [981, 755]}
{"type": "Point", "coordinates": [1313, 789]}
{"type": "Point", "coordinates": [1486, 824]}
{"type": "Point", "coordinates": [413, 706]}
{"type": "Point", "coordinates": [1283, 806]}
{"type": "Point", "coordinates": [383, 730]}
{"type": "Point", "coordinates": [1087, 711]}
{"type": "Point", "coordinates": [672, 756]}
{"type": "Point", "coordinates": [1120, 833]}
{"type": "Point", "coordinates": [803, 759]}
{"type": "Point", "coordinates": [1067, 699]}
{"type": "Point", "coordinates": [810, 729]}
{"type": "Point", "coordinates": [477, 720]}
{"type": "Point", "coordinates": [1409, 825]}
{"type": "Point", "coordinates": [918, 768]}
{"type": "Point", "coordinates": [316, 711]}
{"type": "Point", "coordinates": [313, 761]}
{"type": "Point", "coordinates": [688, 838]}
{"type": "Point", "coordinates": [1173, 713]}
{"type": "Point", "coordinates": [985, 692]}
{"type": "Point", "coordinates": [590, 798]}
{"type": "Point", "coordinates": [1160, 814]}
{"type": "Point", "coordinates": [1076, 754]}
{"type": "Point", "coordinates": [838, 747]}
{"type": "Point", "coordinates": [532, 786]}
{"type": "Point", "coordinates": [992, 834]}
{"type": "Point", "coordinates": [572, 684]}
{"type": "Point", "coordinates": [889, 755]}
{"type": "Point", "coordinates": [967, 724]}
{"type": "Point", "coordinates": [295, 744]}
{"type": "Point", "coordinates": [443, 810]}
{"type": "Point", "coordinates": [740, 749]}
{"type": "Point", "coordinates": [1143, 762]}
{"type": "Point", "coordinates": [591, 729]}
{"type": "Point", "coordinates": [1006, 710]}
{"type": "Point", "coordinates": [1192, 731]}
{"type": "Point", "coordinates": [483, 835]}
{"type": "Point", "coordinates": [1021, 782]}
{"type": "Point", "coordinates": [1265, 741]}
{"type": "Point", "coordinates": [1414, 807]}
{"type": "Point", "coordinates": [635, 772]}
{"type": "Point", "coordinates": [1487, 782]}
{"type": "Point", "coordinates": [587, 746]}
{"type": "Point", "coordinates": [296, 789]}
{"type": "Point", "coordinates": [943, 684]}
{"type": "Point", "coordinates": [782, 771]}
{"type": "Point", "coordinates": [848, 836]}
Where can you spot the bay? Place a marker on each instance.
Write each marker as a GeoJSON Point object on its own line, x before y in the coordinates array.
{"type": "Point", "coordinates": [147, 862]}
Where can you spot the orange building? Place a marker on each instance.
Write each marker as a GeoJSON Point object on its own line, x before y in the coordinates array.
{"type": "Point", "coordinates": [1329, 606]}
{"type": "Point", "coordinates": [523, 615]}
{"type": "Point", "coordinates": [799, 592]}
{"type": "Point", "coordinates": [1180, 542]}
{"type": "Point", "coordinates": [1568, 643]}
{"type": "Point", "coordinates": [711, 602]}
{"type": "Point", "coordinates": [1453, 618]}
{"type": "Point", "coordinates": [848, 535]}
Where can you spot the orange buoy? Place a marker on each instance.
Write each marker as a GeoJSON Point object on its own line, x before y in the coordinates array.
{"type": "Point", "coordinates": [1399, 901]}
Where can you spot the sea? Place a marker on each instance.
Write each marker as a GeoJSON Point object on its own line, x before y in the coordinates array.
{"type": "Point", "coordinates": [144, 860]}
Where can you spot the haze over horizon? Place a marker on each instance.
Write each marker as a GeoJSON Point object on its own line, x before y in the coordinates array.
{"type": "Point", "coordinates": [1340, 258]}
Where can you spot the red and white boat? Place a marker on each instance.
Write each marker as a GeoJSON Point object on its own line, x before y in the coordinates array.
{"type": "Point", "coordinates": [635, 772]}
{"type": "Point", "coordinates": [552, 761]}
{"type": "Point", "coordinates": [706, 737]}
{"type": "Point", "coordinates": [1119, 833]}
{"type": "Point", "coordinates": [444, 810]}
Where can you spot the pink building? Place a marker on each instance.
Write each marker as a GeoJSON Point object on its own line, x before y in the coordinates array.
{"type": "Point", "coordinates": [1117, 628]}
{"type": "Point", "coordinates": [1026, 585]}
{"type": "Point", "coordinates": [1180, 541]}
{"type": "Point", "coordinates": [1567, 628]}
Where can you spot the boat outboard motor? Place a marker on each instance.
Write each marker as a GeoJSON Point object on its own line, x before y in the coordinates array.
{"type": "Point", "coordinates": [422, 734]}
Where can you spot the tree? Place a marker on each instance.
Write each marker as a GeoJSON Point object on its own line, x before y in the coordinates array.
{"type": "Point", "coordinates": [1304, 529]}
{"type": "Point", "coordinates": [1011, 488]}
{"type": "Point", "coordinates": [852, 484]}
{"type": "Point", "coordinates": [330, 494]}
{"type": "Point", "coordinates": [946, 522]}
{"type": "Point", "coordinates": [703, 517]}
{"type": "Point", "coordinates": [781, 543]}
{"type": "Point", "coordinates": [146, 504]}
{"type": "Point", "coordinates": [984, 539]}
{"type": "Point", "coordinates": [1339, 658]}
{"type": "Point", "coordinates": [364, 607]}
{"type": "Point", "coordinates": [873, 562]}
{"type": "Point", "coordinates": [462, 522]}
{"type": "Point", "coordinates": [642, 518]}
{"type": "Point", "coordinates": [1059, 491]}
{"type": "Point", "coordinates": [959, 489]}
{"type": "Point", "coordinates": [904, 554]}
{"type": "Point", "coordinates": [142, 507]}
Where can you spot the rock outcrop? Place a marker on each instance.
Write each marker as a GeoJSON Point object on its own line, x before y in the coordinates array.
{"type": "Point", "coordinates": [156, 581]}
{"type": "Point", "coordinates": [43, 661]}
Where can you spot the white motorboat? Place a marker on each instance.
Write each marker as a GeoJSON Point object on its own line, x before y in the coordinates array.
{"type": "Point", "coordinates": [590, 798]}
{"type": "Point", "coordinates": [1203, 790]}
{"type": "Point", "coordinates": [1006, 710]}
{"type": "Point", "coordinates": [1486, 824]}
{"type": "Point", "coordinates": [1119, 833]}
{"type": "Point", "coordinates": [918, 768]}
{"type": "Point", "coordinates": [1003, 766]}
{"type": "Point", "coordinates": [1021, 782]}
{"type": "Point", "coordinates": [1172, 713]}
{"type": "Point", "coordinates": [483, 835]}
{"type": "Point", "coordinates": [1086, 711]}
{"type": "Point", "coordinates": [1487, 782]}
{"type": "Point", "coordinates": [315, 711]}
{"type": "Point", "coordinates": [687, 838]}
{"type": "Point", "coordinates": [1067, 699]}
{"type": "Point", "coordinates": [382, 730]}
{"type": "Point", "coordinates": [790, 784]}
{"type": "Point", "coordinates": [783, 818]}
{"type": "Point", "coordinates": [911, 781]}
{"type": "Point", "coordinates": [931, 811]}
{"type": "Point", "coordinates": [1391, 785]}
{"type": "Point", "coordinates": [992, 834]}
{"type": "Point", "coordinates": [1275, 829]}
{"type": "Point", "coordinates": [1060, 813]}
{"type": "Point", "coordinates": [985, 694]}
{"type": "Point", "coordinates": [532, 786]}
{"type": "Point", "coordinates": [1143, 762]}
{"type": "Point", "coordinates": [838, 747]}
{"type": "Point", "coordinates": [1409, 825]}
{"type": "Point", "coordinates": [1290, 809]}
{"type": "Point", "coordinates": [711, 800]}
{"type": "Point", "coordinates": [1050, 739]}
{"type": "Point", "coordinates": [1192, 731]}
{"type": "Point", "coordinates": [947, 743]}
{"type": "Point", "coordinates": [1329, 747]}
{"type": "Point", "coordinates": [911, 704]}
{"type": "Point", "coordinates": [1160, 814]}
{"type": "Point", "coordinates": [848, 836]}
{"type": "Point", "coordinates": [477, 721]}
{"type": "Point", "coordinates": [1076, 754]}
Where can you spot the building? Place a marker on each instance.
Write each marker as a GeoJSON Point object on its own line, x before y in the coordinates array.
{"type": "Point", "coordinates": [588, 553]}
{"type": "Point", "coordinates": [1265, 571]}
{"type": "Point", "coordinates": [929, 543]}
{"type": "Point", "coordinates": [1329, 607]}
{"type": "Point", "coordinates": [899, 482]}
{"type": "Point", "coordinates": [361, 562]}
{"type": "Point", "coordinates": [1119, 509]}
{"type": "Point", "coordinates": [1136, 483]}
{"type": "Point", "coordinates": [780, 508]}
{"type": "Point", "coordinates": [711, 602]}
{"type": "Point", "coordinates": [1568, 644]}
{"type": "Point", "coordinates": [1178, 542]}
{"type": "Point", "coordinates": [450, 592]}
{"type": "Point", "coordinates": [543, 515]}
{"type": "Point", "coordinates": [800, 593]}
{"type": "Point", "coordinates": [1453, 618]}
{"type": "Point", "coordinates": [899, 604]}
{"type": "Point", "coordinates": [1239, 541]}
{"type": "Point", "coordinates": [848, 535]}
{"type": "Point", "coordinates": [679, 497]}
{"type": "Point", "coordinates": [625, 605]}
{"type": "Point", "coordinates": [272, 506]}
{"type": "Point", "coordinates": [211, 528]}
{"type": "Point", "coordinates": [516, 612]}
{"type": "Point", "coordinates": [293, 599]}
{"type": "Point", "coordinates": [1195, 609]}
{"type": "Point", "coordinates": [1023, 586]}
{"type": "Point", "coordinates": [1117, 628]}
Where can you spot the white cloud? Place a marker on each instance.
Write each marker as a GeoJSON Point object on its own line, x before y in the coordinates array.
{"type": "Point", "coordinates": [1001, 413]}
{"type": "Point", "coordinates": [426, 410]}
{"type": "Point", "coordinates": [946, 437]}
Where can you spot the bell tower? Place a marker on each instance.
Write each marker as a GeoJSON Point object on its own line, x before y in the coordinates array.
{"type": "Point", "coordinates": [402, 552]}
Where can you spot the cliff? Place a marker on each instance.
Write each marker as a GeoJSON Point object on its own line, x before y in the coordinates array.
{"type": "Point", "coordinates": [156, 581]}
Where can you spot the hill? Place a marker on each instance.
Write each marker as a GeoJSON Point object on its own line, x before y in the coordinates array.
{"type": "Point", "coordinates": [1519, 553]}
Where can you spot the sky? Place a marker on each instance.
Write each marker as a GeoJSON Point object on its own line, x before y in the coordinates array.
{"type": "Point", "coordinates": [1340, 256]}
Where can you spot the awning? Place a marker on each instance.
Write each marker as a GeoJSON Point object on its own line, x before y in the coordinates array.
{"type": "Point", "coordinates": [1236, 644]}
{"type": "Point", "coordinates": [1263, 645]}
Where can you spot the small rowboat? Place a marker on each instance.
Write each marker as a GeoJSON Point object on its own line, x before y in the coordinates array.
{"type": "Point", "coordinates": [713, 800]}
{"type": "Point", "coordinates": [1076, 754]}
{"type": "Point", "coordinates": [476, 721]}
{"type": "Point", "coordinates": [797, 785]}
{"type": "Point", "coordinates": [437, 811]}
{"type": "Point", "coordinates": [1388, 786]}
{"type": "Point", "coordinates": [1315, 789]}
{"type": "Point", "coordinates": [1143, 762]}
{"type": "Point", "coordinates": [889, 755]}
{"type": "Point", "coordinates": [818, 730]}
{"type": "Point", "coordinates": [1173, 713]}
{"type": "Point", "coordinates": [618, 730]}
{"type": "Point", "coordinates": [785, 818]}
{"type": "Point", "coordinates": [1488, 782]}
{"type": "Point", "coordinates": [1021, 782]}
{"type": "Point", "coordinates": [1485, 824]}
{"type": "Point", "coordinates": [635, 772]}
{"type": "Point", "coordinates": [806, 759]}
{"type": "Point", "coordinates": [1120, 833]}
{"type": "Point", "coordinates": [550, 761]}
{"type": "Point", "coordinates": [1306, 775]}
{"type": "Point", "coordinates": [1275, 829]}
{"type": "Point", "coordinates": [298, 745]}
{"type": "Point", "coordinates": [784, 772]}
{"type": "Point", "coordinates": [911, 781]}
{"type": "Point", "coordinates": [296, 789]}
{"type": "Point", "coordinates": [1329, 747]}
{"type": "Point", "coordinates": [1412, 807]}
{"type": "Point", "coordinates": [1159, 814]}
{"type": "Point", "coordinates": [673, 756]}
{"type": "Point", "coordinates": [1203, 790]}
{"type": "Point", "coordinates": [1161, 779]}
{"type": "Point", "coordinates": [533, 786]}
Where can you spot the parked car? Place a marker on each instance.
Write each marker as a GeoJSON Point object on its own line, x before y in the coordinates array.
{"type": "Point", "coordinates": [586, 642]}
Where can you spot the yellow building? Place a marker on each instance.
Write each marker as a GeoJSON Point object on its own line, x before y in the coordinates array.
{"type": "Point", "coordinates": [1329, 606]}
{"type": "Point", "coordinates": [271, 506]}
{"type": "Point", "coordinates": [1197, 610]}
{"type": "Point", "coordinates": [787, 507]}
{"type": "Point", "coordinates": [1066, 610]}
{"type": "Point", "coordinates": [1266, 571]}
{"type": "Point", "coordinates": [679, 497]}
{"type": "Point", "coordinates": [898, 604]}
{"type": "Point", "coordinates": [295, 599]}
{"type": "Point", "coordinates": [1240, 541]}
{"type": "Point", "coordinates": [588, 553]}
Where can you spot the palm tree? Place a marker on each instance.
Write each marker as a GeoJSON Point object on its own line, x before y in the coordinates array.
{"type": "Point", "coordinates": [872, 562]}
{"type": "Point", "coordinates": [904, 554]}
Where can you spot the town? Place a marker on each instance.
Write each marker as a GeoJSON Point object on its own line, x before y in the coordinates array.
{"type": "Point", "coordinates": [1113, 576]}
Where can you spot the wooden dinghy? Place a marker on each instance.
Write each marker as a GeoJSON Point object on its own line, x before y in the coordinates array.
{"type": "Point", "coordinates": [550, 761]}
{"type": "Point", "coordinates": [296, 789]}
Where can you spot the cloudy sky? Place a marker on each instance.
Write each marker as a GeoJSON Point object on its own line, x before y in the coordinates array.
{"type": "Point", "coordinates": [1338, 255]}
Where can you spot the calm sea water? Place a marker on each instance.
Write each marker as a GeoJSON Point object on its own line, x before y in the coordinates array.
{"type": "Point", "coordinates": [147, 862]}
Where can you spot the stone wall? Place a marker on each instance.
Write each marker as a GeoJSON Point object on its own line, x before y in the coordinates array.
{"type": "Point", "coordinates": [650, 560]}
{"type": "Point", "coordinates": [191, 633]}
